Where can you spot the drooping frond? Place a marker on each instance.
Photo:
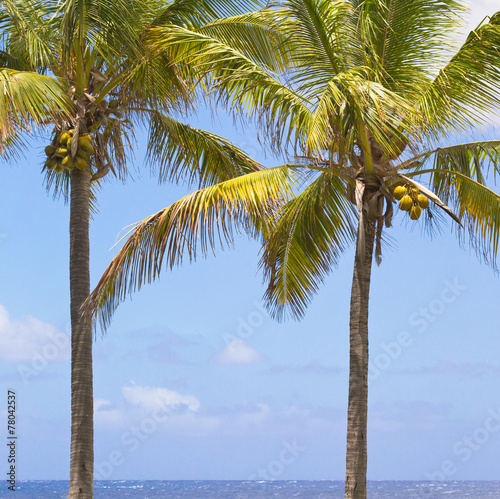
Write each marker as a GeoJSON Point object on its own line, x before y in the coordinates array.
{"type": "Point", "coordinates": [479, 208]}
{"type": "Point", "coordinates": [29, 28]}
{"type": "Point", "coordinates": [239, 82]}
{"type": "Point", "coordinates": [458, 176]}
{"type": "Point", "coordinates": [198, 156]}
{"type": "Point", "coordinates": [255, 36]}
{"type": "Point", "coordinates": [26, 98]}
{"type": "Point", "coordinates": [472, 159]}
{"type": "Point", "coordinates": [309, 234]}
{"type": "Point", "coordinates": [468, 87]}
{"type": "Point", "coordinates": [198, 223]}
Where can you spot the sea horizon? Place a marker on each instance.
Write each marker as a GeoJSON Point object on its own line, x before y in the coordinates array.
{"type": "Point", "coordinates": [248, 489]}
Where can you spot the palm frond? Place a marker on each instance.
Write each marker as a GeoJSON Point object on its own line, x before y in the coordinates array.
{"type": "Point", "coordinates": [324, 37]}
{"type": "Point", "coordinates": [309, 234]}
{"type": "Point", "coordinates": [468, 87]}
{"type": "Point", "coordinates": [479, 208]}
{"type": "Point", "coordinates": [198, 156]}
{"type": "Point", "coordinates": [200, 222]}
{"type": "Point", "coordinates": [238, 82]}
{"type": "Point", "coordinates": [28, 28]}
{"type": "Point", "coordinates": [27, 97]}
{"type": "Point", "coordinates": [407, 39]}
{"type": "Point", "coordinates": [472, 159]}
{"type": "Point", "coordinates": [351, 99]}
{"type": "Point", "coordinates": [458, 176]}
{"type": "Point", "coordinates": [257, 35]}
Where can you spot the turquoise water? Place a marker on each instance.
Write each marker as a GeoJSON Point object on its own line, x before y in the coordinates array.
{"type": "Point", "coordinates": [200, 489]}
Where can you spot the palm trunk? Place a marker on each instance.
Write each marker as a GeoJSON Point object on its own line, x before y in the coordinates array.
{"type": "Point", "coordinates": [82, 404]}
{"type": "Point", "coordinates": [356, 458]}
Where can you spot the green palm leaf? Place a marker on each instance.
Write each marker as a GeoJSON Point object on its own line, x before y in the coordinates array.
{"type": "Point", "coordinates": [309, 234]}
{"type": "Point", "coordinates": [238, 81]}
{"type": "Point", "coordinates": [479, 208]}
{"type": "Point", "coordinates": [199, 222]}
{"type": "Point", "coordinates": [468, 87]}
{"type": "Point", "coordinates": [184, 152]}
{"type": "Point", "coordinates": [458, 176]}
{"type": "Point", "coordinates": [26, 98]}
{"type": "Point", "coordinates": [408, 39]}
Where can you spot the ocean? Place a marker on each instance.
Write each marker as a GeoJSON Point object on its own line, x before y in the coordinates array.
{"type": "Point", "coordinates": [200, 489]}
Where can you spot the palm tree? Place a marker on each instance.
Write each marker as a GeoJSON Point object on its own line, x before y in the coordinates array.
{"type": "Point", "coordinates": [112, 83]}
{"type": "Point", "coordinates": [374, 91]}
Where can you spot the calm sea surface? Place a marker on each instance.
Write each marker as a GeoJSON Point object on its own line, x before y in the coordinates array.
{"type": "Point", "coordinates": [199, 489]}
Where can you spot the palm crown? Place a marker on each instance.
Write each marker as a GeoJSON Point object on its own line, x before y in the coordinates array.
{"type": "Point", "coordinates": [370, 89]}
{"type": "Point", "coordinates": [113, 83]}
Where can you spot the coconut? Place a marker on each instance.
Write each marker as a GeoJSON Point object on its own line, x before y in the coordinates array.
{"type": "Point", "coordinates": [399, 192]}
{"type": "Point", "coordinates": [88, 149]}
{"type": "Point", "coordinates": [51, 163]}
{"type": "Point", "coordinates": [82, 154]}
{"type": "Point", "coordinates": [61, 152]}
{"type": "Point", "coordinates": [86, 145]}
{"type": "Point", "coordinates": [50, 150]}
{"type": "Point", "coordinates": [67, 161]}
{"type": "Point", "coordinates": [423, 201]}
{"type": "Point", "coordinates": [63, 138]}
{"type": "Point", "coordinates": [80, 163]}
{"type": "Point", "coordinates": [415, 212]}
{"type": "Point", "coordinates": [406, 203]}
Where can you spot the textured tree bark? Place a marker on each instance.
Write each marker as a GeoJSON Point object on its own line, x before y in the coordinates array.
{"type": "Point", "coordinates": [82, 402]}
{"type": "Point", "coordinates": [356, 456]}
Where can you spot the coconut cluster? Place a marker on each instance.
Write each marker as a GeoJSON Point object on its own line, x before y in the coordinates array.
{"type": "Point", "coordinates": [411, 200]}
{"type": "Point", "coordinates": [59, 157]}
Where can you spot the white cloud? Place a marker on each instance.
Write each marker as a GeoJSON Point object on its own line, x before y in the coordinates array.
{"type": "Point", "coordinates": [150, 398]}
{"type": "Point", "coordinates": [30, 337]}
{"type": "Point", "coordinates": [106, 414]}
{"type": "Point", "coordinates": [143, 402]}
{"type": "Point", "coordinates": [237, 352]}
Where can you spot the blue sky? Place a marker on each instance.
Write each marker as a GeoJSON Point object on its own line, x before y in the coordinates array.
{"type": "Point", "coordinates": [195, 381]}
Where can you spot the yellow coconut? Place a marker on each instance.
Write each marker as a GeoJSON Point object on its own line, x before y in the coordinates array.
{"type": "Point", "coordinates": [85, 136]}
{"type": "Point", "coordinates": [406, 203]}
{"type": "Point", "coordinates": [63, 138]}
{"type": "Point", "coordinates": [67, 161]}
{"type": "Point", "coordinates": [61, 152]}
{"type": "Point", "coordinates": [59, 168]}
{"type": "Point", "coordinates": [423, 201]}
{"type": "Point", "coordinates": [415, 212]}
{"type": "Point", "coordinates": [87, 147]}
{"type": "Point", "coordinates": [399, 192]}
